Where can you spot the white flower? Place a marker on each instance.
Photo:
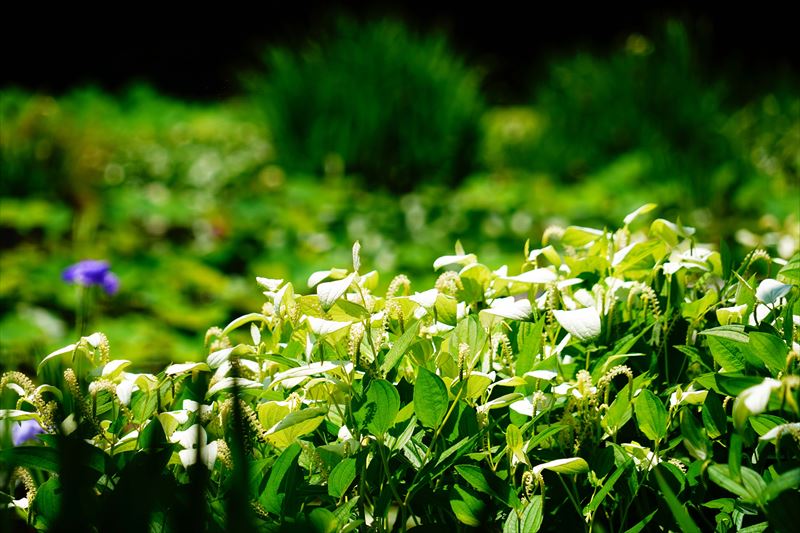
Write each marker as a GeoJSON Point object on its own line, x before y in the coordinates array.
{"type": "Point", "coordinates": [753, 401]}
{"type": "Point", "coordinates": [191, 439]}
{"type": "Point", "coordinates": [779, 430]}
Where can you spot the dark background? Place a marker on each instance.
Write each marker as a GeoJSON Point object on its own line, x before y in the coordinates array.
{"type": "Point", "coordinates": [197, 52]}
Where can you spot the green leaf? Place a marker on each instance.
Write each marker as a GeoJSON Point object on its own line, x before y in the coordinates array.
{"type": "Point", "coordinates": [570, 465]}
{"type": "Point", "coordinates": [750, 489]}
{"type": "Point", "coordinates": [693, 437]}
{"type": "Point", "coordinates": [790, 272]}
{"type": "Point", "coordinates": [734, 332]}
{"type": "Point", "coordinates": [341, 477]}
{"type": "Point", "coordinates": [295, 425]}
{"type": "Point", "coordinates": [41, 457]}
{"type": "Point", "coordinates": [787, 480]}
{"type": "Point", "coordinates": [47, 503]}
{"type": "Point", "coordinates": [527, 521]}
{"type": "Point", "coordinates": [468, 508]}
{"type": "Point", "coordinates": [714, 418]}
{"type": "Point", "coordinates": [352, 310]}
{"type": "Point", "coordinates": [727, 354]}
{"type": "Point", "coordinates": [651, 415]}
{"type": "Point", "coordinates": [578, 236]}
{"type": "Point", "coordinates": [488, 483]}
{"type": "Point", "coordinates": [430, 398]}
{"type": "Point", "coordinates": [619, 412]}
{"type": "Point", "coordinates": [384, 396]}
{"type": "Point", "coordinates": [323, 521]}
{"type": "Point", "coordinates": [769, 349]}
{"type": "Point", "coordinates": [676, 507]}
{"type": "Point", "coordinates": [275, 490]}
{"type": "Point", "coordinates": [399, 348]}
{"type": "Point", "coordinates": [47, 458]}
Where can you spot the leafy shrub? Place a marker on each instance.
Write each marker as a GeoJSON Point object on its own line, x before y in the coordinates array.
{"type": "Point", "coordinates": [652, 99]}
{"type": "Point", "coordinates": [376, 100]}
{"type": "Point", "coordinates": [626, 379]}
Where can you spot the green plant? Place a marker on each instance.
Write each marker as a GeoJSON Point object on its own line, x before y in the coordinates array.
{"type": "Point", "coordinates": [623, 380]}
{"type": "Point", "coordinates": [375, 100]}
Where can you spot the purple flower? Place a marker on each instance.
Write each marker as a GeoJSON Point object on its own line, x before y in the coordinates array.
{"type": "Point", "coordinates": [25, 431]}
{"type": "Point", "coordinates": [92, 272]}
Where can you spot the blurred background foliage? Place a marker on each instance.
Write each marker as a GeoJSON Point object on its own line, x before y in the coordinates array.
{"type": "Point", "coordinates": [374, 134]}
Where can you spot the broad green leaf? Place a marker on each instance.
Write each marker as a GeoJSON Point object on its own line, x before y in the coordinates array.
{"type": "Point", "coordinates": [331, 291]}
{"type": "Point", "coordinates": [619, 412]}
{"type": "Point", "coordinates": [733, 332]}
{"type": "Point", "coordinates": [693, 437]}
{"type": "Point", "coordinates": [529, 520]}
{"type": "Point", "coordinates": [323, 521]}
{"type": "Point", "coordinates": [714, 418]}
{"type": "Point", "coordinates": [44, 458]}
{"type": "Point", "coordinates": [727, 354]}
{"type": "Point", "coordinates": [583, 324]}
{"type": "Point", "coordinates": [578, 236]}
{"type": "Point", "coordinates": [275, 490]}
{"type": "Point", "coordinates": [400, 347]}
{"type": "Point", "coordinates": [446, 308]}
{"type": "Point", "coordinates": [295, 425]}
{"type": "Point", "coordinates": [474, 476]}
{"type": "Point", "coordinates": [786, 481]}
{"type": "Point", "coordinates": [341, 477]}
{"type": "Point", "coordinates": [351, 311]}
{"type": "Point", "coordinates": [749, 490]}
{"type": "Point", "coordinates": [790, 272]}
{"type": "Point", "coordinates": [476, 383]}
{"type": "Point", "coordinates": [769, 349]}
{"type": "Point", "coordinates": [696, 309]}
{"type": "Point", "coordinates": [651, 415]}
{"type": "Point", "coordinates": [637, 255]}
{"type": "Point", "coordinates": [571, 465]}
{"type": "Point", "coordinates": [670, 232]}
{"type": "Point", "coordinates": [430, 398]}
{"type": "Point", "coordinates": [468, 508]}
{"type": "Point", "coordinates": [487, 482]}
{"type": "Point", "coordinates": [384, 396]}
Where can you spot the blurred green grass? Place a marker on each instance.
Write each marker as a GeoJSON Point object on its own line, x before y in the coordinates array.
{"type": "Point", "coordinates": [190, 201]}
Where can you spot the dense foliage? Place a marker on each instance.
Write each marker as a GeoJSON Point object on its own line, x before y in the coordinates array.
{"type": "Point", "coordinates": [622, 380]}
{"type": "Point", "coordinates": [375, 100]}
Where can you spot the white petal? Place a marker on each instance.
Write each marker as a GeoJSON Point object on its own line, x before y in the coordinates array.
{"type": "Point", "coordinates": [124, 392]}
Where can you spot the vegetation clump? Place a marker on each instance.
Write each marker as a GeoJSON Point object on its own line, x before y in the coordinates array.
{"type": "Point", "coordinates": [623, 380]}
